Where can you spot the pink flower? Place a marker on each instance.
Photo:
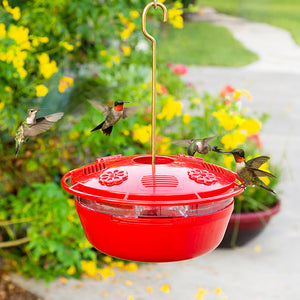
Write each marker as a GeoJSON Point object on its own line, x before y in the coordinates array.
{"type": "Point", "coordinates": [256, 138]}
{"type": "Point", "coordinates": [180, 69]}
{"type": "Point", "coordinates": [169, 64]}
{"type": "Point", "coordinates": [227, 102]}
{"type": "Point", "coordinates": [228, 89]}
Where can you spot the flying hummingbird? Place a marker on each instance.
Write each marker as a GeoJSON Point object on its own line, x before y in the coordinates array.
{"type": "Point", "coordinates": [33, 126]}
{"type": "Point", "coordinates": [197, 145]}
{"type": "Point", "coordinates": [112, 114]}
{"type": "Point", "coordinates": [248, 171]}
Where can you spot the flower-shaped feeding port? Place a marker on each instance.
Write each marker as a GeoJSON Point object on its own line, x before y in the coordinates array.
{"type": "Point", "coordinates": [202, 176]}
{"type": "Point", "coordinates": [114, 177]}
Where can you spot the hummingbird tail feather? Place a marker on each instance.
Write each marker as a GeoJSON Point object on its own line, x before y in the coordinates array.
{"type": "Point", "coordinates": [98, 127]}
{"type": "Point", "coordinates": [108, 130]}
{"type": "Point", "coordinates": [267, 188]}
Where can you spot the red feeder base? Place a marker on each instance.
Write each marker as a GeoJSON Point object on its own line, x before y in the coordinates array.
{"type": "Point", "coordinates": [154, 239]}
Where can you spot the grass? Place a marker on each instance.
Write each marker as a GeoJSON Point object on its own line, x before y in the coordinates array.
{"type": "Point", "coordinates": [280, 13]}
{"type": "Point", "coordinates": [202, 44]}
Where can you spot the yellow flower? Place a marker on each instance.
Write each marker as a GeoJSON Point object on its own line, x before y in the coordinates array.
{"type": "Point", "coordinates": [141, 133]}
{"type": "Point", "coordinates": [102, 52]}
{"type": "Point", "coordinates": [134, 14]}
{"type": "Point", "coordinates": [8, 89]}
{"type": "Point", "coordinates": [20, 35]}
{"type": "Point", "coordinates": [166, 288]}
{"type": "Point", "coordinates": [116, 59]}
{"type": "Point", "coordinates": [126, 50]}
{"type": "Point", "coordinates": [1, 105]}
{"type": "Point", "coordinates": [43, 58]}
{"type": "Point", "coordinates": [41, 90]}
{"type": "Point", "coordinates": [109, 64]}
{"type": "Point", "coordinates": [89, 267]}
{"type": "Point", "coordinates": [132, 267]}
{"type": "Point", "coordinates": [174, 16]}
{"type": "Point", "coordinates": [71, 270]}
{"type": "Point", "coordinates": [125, 34]}
{"type": "Point", "coordinates": [144, 86]}
{"type": "Point", "coordinates": [107, 259]}
{"type": "Point", "coordinates": [22, 72]}
{"type": "Point", "coordinates": [43, 39]}
{"type": "Point", "coordinates": [186, 119]}
{"type": "Point", "coordinates": [2, 30]}
{"type": "Point", "coordinates": [237, 94]}
{"type": "Point", "coordinates": [218, 291]}
{"type": "Point", "coordinates": [232, 140]}
{"type": "Point", "coordinates": [16, 13]}
{"type": "Point", "coordinates": [64, 83]}
{"type": "Point", "coordinates": [164, 146]}
{"type": "Point", "coordinates": [149, 289]}
{"type": "Point", "coordinates": [130, 298]}
{"type": "Point", "coordinates": [106, 272]}
{"type": "Point", "coordinates": [251, 126]}
{"type": "Point", "coordinates": [68, 46]}
{"type": "Point", "coordinates": [128, 282]}
{"type": "Point", "coordinates": [228, 159]}
{"type": "Point", "coordinates": [122, 18]}
{"type": "Point", "coordinates": [200, 293]}
{"type": "Point", "coordinates": [48, 69]}
{"type": "Point", "coordinates": [225, 120]}
{"type": "Point", "coordinates": [171, 109]}
{"type": "Point", "coordinates": [131, 26]}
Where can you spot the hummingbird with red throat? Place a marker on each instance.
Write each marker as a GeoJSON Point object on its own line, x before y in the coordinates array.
{"type": "Point", "coordinates": [112, 114]}
{"type": "Point", "coordinates": [248, 171]}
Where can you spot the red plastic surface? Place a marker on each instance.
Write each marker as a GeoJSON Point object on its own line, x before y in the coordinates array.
{"type": "Point", "coordinates": [181, 180]}
{"type": "Point", "coordinates": [176, 210]}
{"type": "Point", "coordinates": [154, 239]}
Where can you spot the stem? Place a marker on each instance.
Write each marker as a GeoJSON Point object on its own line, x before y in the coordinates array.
{"type": "Point", "coordinates": [14, 243]}
{"type": "Point", "coordinates": [24, 220]}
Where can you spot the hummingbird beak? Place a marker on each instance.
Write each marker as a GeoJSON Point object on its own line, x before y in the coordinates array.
{"type": "Point", "coordinates": [126, 102]}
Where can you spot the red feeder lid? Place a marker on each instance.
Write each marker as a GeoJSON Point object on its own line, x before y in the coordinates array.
{"type": "Point", "coordinates": [132, 180]}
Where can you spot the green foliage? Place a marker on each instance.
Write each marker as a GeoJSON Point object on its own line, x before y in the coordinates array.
{"type": "Point", "coordinates": [200, 44]}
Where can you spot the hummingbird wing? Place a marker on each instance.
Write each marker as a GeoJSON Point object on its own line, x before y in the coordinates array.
{"type": "Point", "coordinates": [42, 124]}
{"type": "Point", "coordinates": [184, 143]}
{"type": "Point", "coordinates": [101, 107]}
{"type": "Point", "coordinates": [206, 140]}
{"type": "Point", "coordinates": [260, 173]}
{"type": "Point", "coordinates": [129, 111]}
{"type": "Point", "coordinates": [257, 161]}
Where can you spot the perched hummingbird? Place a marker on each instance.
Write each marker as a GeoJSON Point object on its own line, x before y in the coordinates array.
{"type": "Point", "coordinates": [33, 126]}
{"type": "Point", "coordinates": [112, 114]}
{"type": "Point", "coordinates": [197, 145]}
{"type": "Point", "coordinates": [248, 171]}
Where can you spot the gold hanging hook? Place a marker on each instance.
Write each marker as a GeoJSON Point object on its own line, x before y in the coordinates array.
{"type": "Point", "coordinates": [152, 39]}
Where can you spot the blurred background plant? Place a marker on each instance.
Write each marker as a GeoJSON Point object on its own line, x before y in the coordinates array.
{"type": "Point", "coordinates": [56, 55]}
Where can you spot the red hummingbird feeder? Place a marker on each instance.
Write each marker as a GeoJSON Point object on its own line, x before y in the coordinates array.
{"type": "Point", "coordinates": [153, 208]}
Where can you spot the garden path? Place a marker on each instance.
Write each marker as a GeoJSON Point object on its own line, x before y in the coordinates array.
{"type": "Point", "coordinates": [267, 268]}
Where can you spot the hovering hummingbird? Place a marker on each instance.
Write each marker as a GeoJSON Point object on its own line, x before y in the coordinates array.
{"type": "Point", "coordinates": [197, 145]}
{"type": "Point", "coordinates": [112, 114]}
{"type": "Point", "coordinates": [33, 126]}
{"type": "Point", "coordinates": [248, 171]}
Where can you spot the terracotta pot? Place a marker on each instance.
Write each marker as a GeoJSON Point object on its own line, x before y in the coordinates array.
{"type": "Point", "coordinates": [244, 227]}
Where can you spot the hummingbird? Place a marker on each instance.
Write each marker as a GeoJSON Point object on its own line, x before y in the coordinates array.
{"type": "Point", "coordinates": [33, 126]}
{"type": "Point", "coordinates": [112, 114]}
{"type": "Point", "coordinates": [197, 145]}
{"type": "Point", "coordinates": [248, 171]}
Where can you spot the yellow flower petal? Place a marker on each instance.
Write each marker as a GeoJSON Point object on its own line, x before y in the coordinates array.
{"type": "Point", "coordinates": [41, 90]}
{"type": "Point", "coordinates": [166, 288]}
{"type": "Point", "coordinates": [71, 270]}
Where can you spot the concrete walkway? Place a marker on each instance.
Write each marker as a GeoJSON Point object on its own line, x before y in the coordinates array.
{"type": "Point", "coordinates": [268, 268]}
